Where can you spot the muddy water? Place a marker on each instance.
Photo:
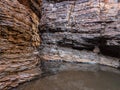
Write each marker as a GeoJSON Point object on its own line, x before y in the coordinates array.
{"type": "Point", "coordinates": [75, 77]}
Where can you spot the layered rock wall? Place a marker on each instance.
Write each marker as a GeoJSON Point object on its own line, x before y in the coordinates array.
{"type": "Point", "coordinates": [19, 40]}
{"type": "Point", "coordinates": [81, 30]}
{"type": "Point", "coordinates": [71, 30]}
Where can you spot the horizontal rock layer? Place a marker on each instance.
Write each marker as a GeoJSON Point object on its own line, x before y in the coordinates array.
{"type": "Point", "coordinates": [19, 39]}
{"type": "Point", "coordinates": [59, 54]}
{"type": "Point", "coordinates": [92, 25]}
{"type": "Point", "coordinates": [75, 30]}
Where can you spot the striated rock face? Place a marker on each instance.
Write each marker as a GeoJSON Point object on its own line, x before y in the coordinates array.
{"type": "Point", "coordinates": [71, 55]}
{"type": "Point", "coordinates": [69, 28]}
{"type": "Point", "coordinates": [34, 5]}
{"type": "Point", "coordinates": [19, 40]}
{"type": "Point", "coordinates": [74, 31]}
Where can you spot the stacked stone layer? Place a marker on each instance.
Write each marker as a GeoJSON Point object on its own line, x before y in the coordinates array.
{"type": "Point", "coordinates": [19, 39]}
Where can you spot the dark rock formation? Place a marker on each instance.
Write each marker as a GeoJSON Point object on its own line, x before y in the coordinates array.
{"type": "Point", "coordinates": [72, 29]}
{"type": "Point", "coordinates": [19, 40]}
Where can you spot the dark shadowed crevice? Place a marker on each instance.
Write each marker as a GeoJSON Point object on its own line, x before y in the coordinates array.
{"type": "Point", "coordinates": [113, 51]}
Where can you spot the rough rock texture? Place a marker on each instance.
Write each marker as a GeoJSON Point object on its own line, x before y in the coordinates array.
{"type": "Point", "coordinates": [19, 40]}
{"type": "Point", "coordinates": [79, 25]}
{"type": "Point", "coordinates": [70, 55]}
{"type": "Point", "coordinates": [34, 5]}
{"type": "Point", "coordinates": [71, 30]}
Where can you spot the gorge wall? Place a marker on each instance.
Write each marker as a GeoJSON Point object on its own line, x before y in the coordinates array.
{"type": "Point", "coordinates": [81, 31]}
{"type": "Point", "coordinates": [19, 40]}
{"type": "Point", "coordinates": [85, 31]}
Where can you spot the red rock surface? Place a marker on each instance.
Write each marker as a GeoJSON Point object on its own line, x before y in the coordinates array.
{"type": "Point", "coordinates": [19, 40]}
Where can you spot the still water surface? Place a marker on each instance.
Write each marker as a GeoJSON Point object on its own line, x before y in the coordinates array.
{"type": "Point", "coordinates": [97, 78]}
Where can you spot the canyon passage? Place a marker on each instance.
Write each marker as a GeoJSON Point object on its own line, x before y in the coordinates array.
{"type": "Point", "coordinates": [36, 35]}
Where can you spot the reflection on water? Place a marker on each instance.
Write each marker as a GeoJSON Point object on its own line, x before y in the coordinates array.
{"type": "Point", "coordinates": [77, 79]}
